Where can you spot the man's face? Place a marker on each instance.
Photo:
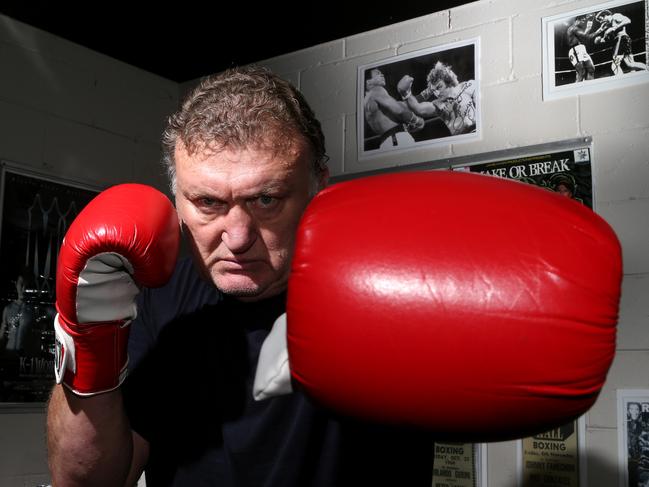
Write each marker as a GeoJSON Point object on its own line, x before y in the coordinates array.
{"type": "Point", "coordinates": [376, 79]}
{"type": "Point", "coordinates": [564, 190]}
{"type": "Point", "coordinates": [241, 208]}
{"type": "Point", "coordinates": [20, 287]}
{"type": "Point", "coordinates": [438, 87]}
{"type": "Point", "coordinates": [634, 411]}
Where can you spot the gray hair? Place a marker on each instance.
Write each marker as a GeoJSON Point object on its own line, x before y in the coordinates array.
{"type": "Point", "coordinates": [241, 107]}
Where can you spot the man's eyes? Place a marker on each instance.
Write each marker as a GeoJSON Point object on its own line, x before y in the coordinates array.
{"type": "Point", "coordinates": [262, 202]}
{"type": "Point", "coordinates": [265, 202]}
{"type": "Point", "coordinates": [208, 205]}
{"type": "Point", "coordinates": [209, 202]}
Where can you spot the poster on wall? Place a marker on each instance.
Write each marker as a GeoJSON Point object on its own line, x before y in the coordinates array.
{"type": "Point", "coordinates": [566, 171]}
{"type": "Point", "coordinates": [555, 457]}
{"type": "Point", "coordinates": [633, 437]}
{"type": "Point", "coordinates": [426, 97]}
{"type": "Point", "coordinates": [36, 212]}
{"type": "Point", "coordinates": [595, 48]}
{"type": "Point", "coordinates": [460, 465]}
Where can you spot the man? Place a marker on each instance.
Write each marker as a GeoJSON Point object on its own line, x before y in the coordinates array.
{"type": "Point", "coordinates": [563, 184]}
{"type": "Point", "coordinates": [245, 154]}
{"type": "Point", "coordinates": [17, 319]}
{"type": "Point", "coordinates": [578, 35]}
{"type": "Point", "coordinates": [390, 119]}
{"type": "Point", "coordinates": [614, 27]}
{"type": "Point", "coordinates": [453, 102]}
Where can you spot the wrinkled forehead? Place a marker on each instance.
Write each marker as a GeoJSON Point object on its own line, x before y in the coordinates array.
{"type": "Point", "coordinates": [268, 136]}
{"type": "Point", "coordinates": [285, 151]}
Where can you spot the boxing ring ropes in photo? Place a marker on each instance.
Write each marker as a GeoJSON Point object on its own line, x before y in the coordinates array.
{"type": "Point", "coordinates": [595, 49]}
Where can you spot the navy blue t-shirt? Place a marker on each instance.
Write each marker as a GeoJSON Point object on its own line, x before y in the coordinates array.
{"type": "Point", "coordinates": [193, 353]}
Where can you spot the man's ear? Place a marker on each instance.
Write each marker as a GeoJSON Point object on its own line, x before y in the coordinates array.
{"type": "Point", "coordinates": [323, 178]}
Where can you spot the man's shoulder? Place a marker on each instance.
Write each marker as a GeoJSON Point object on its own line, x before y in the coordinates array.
{"type": "Point", "coordinates": [377, 91]}
{"type": "Point", "coordinates": [467, 86]}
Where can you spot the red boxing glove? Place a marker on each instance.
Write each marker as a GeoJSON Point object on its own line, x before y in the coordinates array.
{"type": "Point", "coordinates": [128, 236]}
{"type": "Point", "coordinates": [482, 308]}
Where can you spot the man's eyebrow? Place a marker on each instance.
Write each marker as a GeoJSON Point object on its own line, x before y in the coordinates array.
{"type": "Point", "coordinates": [199, 195]}
{"type": "Point", "coordinates": [276, 185]}
{"type": "Point", "coordinates": [265, 188]}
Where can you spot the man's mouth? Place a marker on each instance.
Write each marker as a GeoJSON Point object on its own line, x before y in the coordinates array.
{"type": "Point", "coordinates": [238, 264]}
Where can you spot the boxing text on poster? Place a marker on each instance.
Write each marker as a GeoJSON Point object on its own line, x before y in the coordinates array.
{"type": "Point", "coordinates": [459, 465]}
{"type": "Point", "coordinates": [567, 172]}
{"type": "Point", "coordinates": [553, 458]}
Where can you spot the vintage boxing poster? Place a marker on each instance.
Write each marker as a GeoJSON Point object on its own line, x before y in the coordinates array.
{"type": "Point", "coordinates": [553, 458]}
{"type": "Point", "coordinates": [36, 212]}
{"type": "Point", "coordinates": [633, 437]}
{"type": "Point", "coordinates": [567, 172]}
{"type": "Point", "coordinates": [459, 465]}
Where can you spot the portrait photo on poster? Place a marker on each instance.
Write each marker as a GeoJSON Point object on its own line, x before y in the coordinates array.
{"type": "Point", "coordinates": [595, 48]}
{"type": "Point", "coordinates": [430, 96]}
{"type": "Point", "coordinates": [633, 437]}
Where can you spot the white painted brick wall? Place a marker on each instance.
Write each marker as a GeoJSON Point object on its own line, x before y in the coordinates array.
{"type": "Point", "coordinates": [67, 111]}
{"type": "Point", "coordinates": [515, 115]}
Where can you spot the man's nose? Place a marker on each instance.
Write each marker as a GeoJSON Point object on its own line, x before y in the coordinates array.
{"type": "Point", "coordinates": [239, 233]}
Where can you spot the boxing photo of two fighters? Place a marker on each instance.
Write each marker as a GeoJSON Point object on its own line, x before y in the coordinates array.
{"type": "Point", "coordinates": [473, 276]}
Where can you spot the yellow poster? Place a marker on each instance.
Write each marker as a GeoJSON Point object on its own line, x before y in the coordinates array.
{"type": "Point", "coordinates": [551, 459]}
{"type": "Point", "coordinates": [455, 465]}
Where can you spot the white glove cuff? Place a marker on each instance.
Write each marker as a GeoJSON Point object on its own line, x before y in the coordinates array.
{"type": "Point", "coordinates": [273, 374]}
{"type": "Point", "coordinates": [64, 352]}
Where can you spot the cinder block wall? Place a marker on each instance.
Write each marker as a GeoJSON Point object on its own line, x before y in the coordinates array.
{"type": "Point", "coordinates": [77, 114]}
{"type": "Point", "coordinates": [81, 115]}
{"type": "Point", "coordinates": [515, 115]}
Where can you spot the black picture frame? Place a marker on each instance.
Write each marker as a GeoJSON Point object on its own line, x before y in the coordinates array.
{"type": "Point", "coordinates": [36, 210]}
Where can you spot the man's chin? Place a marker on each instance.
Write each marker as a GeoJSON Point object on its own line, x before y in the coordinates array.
{"type": "Point", "coordinates": [239, 292]}
{"type": "Point", "coordinates": [244, 289]}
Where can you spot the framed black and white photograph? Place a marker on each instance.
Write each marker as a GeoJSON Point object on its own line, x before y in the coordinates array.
{"type": "Point", "coordinates": [633, 436]}
{"type": "Point", "coordinates": [36, 212]}
{"type": "Point", "coordinates": [426, 97]}
{"type": "Point", "coordinates": [595, 48]}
